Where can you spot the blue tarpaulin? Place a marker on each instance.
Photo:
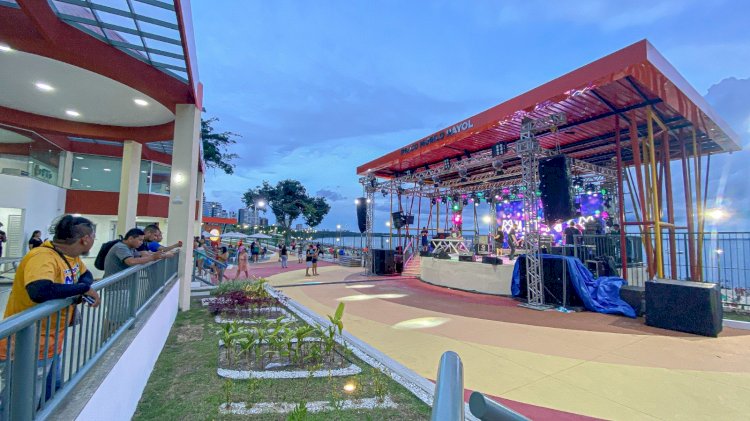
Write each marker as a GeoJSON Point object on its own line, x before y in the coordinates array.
{"type": "Point", "coordinates": [601, 295]}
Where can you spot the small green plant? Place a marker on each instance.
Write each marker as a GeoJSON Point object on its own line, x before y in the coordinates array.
{"type": "Point", "coordinates": [379, 386]}
{"type": "Point", "coordinates": [228, 388]}
{"type": "Point", "coordinates": [229, 333]}
{"type": "Point", "coordinates": [252, 386]}
{"type": "Point", "coordinates": [299, 413]}
{"type": "Point", "coordinates": [337, 316]}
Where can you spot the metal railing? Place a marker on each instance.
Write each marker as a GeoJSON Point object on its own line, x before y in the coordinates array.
{"type": "Point", "coordinates": [46, 350]}
{"type": "Point", "coordinates": [724, 257]}
{"type": "Point", "coordinates": [209, 263]}
{"type": "Point", "coordinates": [448, 402]}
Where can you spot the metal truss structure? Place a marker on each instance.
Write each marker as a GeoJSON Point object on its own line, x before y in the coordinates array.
{"type": "Point", "coordinates": [370, 185]}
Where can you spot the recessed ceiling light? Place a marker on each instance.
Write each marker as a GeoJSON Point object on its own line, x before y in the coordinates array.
{"type": "Point", "coordinates": [72, 113]}
{"type": "Point", "coordinates": [5, 48]}
{"type": "Point", "coordinates": [31, 162]}
{"type": "Point", "coordinates": [84, 168]}
{"type": "Point", "coordinates": [140, 102]}
{"type": "Point", "coordinates": [44, 87]}
{"type": "Point", "coordinates": [144, 172]}
{"type": "Point", "coordinates": [79, 157]}
{"type": "Point", "coordinates": [107, 170]}
{"type": "Point", "coordinates": [75, 179]}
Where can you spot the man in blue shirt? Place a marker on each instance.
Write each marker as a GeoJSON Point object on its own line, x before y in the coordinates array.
{"type": "Point", "coordinates": [151, 238]}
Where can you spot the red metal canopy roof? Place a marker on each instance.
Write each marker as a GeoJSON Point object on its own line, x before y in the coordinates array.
{"type": "Point", "coordinates": [625, 84]}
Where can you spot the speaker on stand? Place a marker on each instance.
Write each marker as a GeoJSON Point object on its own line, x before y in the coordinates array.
{"type": "Point", "coordinates": [554, 184]}
{"type": "Point", "coordinates": [361, 214]}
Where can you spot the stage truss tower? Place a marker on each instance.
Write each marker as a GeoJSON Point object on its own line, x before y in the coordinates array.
{"type": "Point", "coordinates": [370, 185]}
{"type": "Point", "coordinates": [530, 151]}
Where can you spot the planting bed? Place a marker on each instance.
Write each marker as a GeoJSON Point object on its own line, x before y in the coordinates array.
{"type": "Point", "coordinates": [274, 367]}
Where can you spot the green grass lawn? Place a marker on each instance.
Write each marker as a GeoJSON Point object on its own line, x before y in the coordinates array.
{"type": "Point", "coordinates": [184, 384]}
{"type": "Point", "coordinates": [743, 317]}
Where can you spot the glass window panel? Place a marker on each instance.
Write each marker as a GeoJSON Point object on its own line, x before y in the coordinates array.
{"type": "Point", "coordinates": [160, 177]}
{"type": "Point", "coordinates": [100, 173]}
{"type": "Point", "coordinates": [155, 11]}
{"type": "Point", "coordinates": [164, 46]}
{"type": "Point", "coordinates": [28, 155]}
{"type": "Point", "coordinates": [116, 19]}
{"type": "Point", "coordinates": [167, 60]}
{"type": "Point", "coordinates": [116, 4]}
{"type": "Point", "coordinates": [144, 177]}
{"type": "Point", "coordinates": [159, 30]}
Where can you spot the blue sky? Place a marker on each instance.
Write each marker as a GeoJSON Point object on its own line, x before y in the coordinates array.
{"type": "Point", "coordinates": [318, 88]}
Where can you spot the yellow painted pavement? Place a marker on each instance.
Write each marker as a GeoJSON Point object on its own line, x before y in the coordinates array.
{"type": "Point", "coordinates": [599, 374]}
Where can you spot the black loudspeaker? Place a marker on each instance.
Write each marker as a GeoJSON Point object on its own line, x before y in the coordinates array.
{"type": "Point", "coordinates": [635, 296]}
{"type": "Point", "coordinates": [442, 255]}
{"type": "Point", "coordinates": [423, 253]}
{"type": "Point", "coordinates": [554, 184]}
{"type": "Point", "coordinates": [362, 214]}
{"type": "Point", "coordinates": [493, 260]}
{"type": "Point", "coordinates": [552, 273]}
{"type": "Point", "coordinates": [397, 220]}
{"type": "Point", "coordinates": [692, 307]}
{"type": "Point", "coordinates": [465, 258]}
{"type": "Point", "coordinates": [481, 248]}
{"type": "Point", "coordinates": [383, 262]}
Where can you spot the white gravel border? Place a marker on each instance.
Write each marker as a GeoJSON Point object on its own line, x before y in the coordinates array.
{"type": "Point", "coordinates": [281, 374]}
{"type": "Point", "coordinates": [240, 408]}
{"type": "Point", "coordinates": [221, 320]}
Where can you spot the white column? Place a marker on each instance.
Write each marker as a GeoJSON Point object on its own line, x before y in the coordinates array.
{"type": "Point", "coordinates": [65, 169]}
{"type": "Point", "coordinates": [183, 187]}
{"type": "Point", "coordinates": [199, 194]}
{"type": "Point", "coordinates": [129, 177]}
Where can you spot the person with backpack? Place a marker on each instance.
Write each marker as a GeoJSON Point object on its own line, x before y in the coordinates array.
{"type": "Point", "coordinates": [152, 236]}
{"type": "Point", "coordinates": [124, 254]}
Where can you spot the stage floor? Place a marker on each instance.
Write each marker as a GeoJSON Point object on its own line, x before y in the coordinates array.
{"type": "Point", "coordinates": [547, 365]}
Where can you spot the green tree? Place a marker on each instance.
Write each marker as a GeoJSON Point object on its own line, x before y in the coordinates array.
{"type": "Point", "coordinates": [216, 145]}
{"type": "Point", "coordinates": [288, 200]}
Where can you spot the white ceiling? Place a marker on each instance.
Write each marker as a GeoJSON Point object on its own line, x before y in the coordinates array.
{"type": "Point", "coordinates": [7, 136]}
{"type": "Point", "coordinates": [98, 99]}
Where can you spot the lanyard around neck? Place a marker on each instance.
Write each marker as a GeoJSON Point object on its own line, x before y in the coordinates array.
{"type": "Point", "coordinates": [67, 263]}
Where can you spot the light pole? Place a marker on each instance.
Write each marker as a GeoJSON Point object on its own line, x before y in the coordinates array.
{"type": "Point", "coordinates": [338, 234]}
{"type": "Point", "coordinates": [718, 252]}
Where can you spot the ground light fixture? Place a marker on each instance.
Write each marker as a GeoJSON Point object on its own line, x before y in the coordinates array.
{"type": "Point", "coordinates": [44, 87]}
{"type": "Point", "coordinates": [349, 387]}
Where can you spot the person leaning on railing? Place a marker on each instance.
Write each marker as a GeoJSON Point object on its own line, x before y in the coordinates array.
{"type": "Point", "coordinates": [52, 271]}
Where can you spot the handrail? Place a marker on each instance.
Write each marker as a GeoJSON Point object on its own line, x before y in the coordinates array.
{"type": "Point", "coordinates": [42, 367]}
{"type": "Point", "coordinates": [10, 261]}
{"type": "Point", "coordinates": [448, 404]}
{"type": "Point", "coordinates": [487, 409]}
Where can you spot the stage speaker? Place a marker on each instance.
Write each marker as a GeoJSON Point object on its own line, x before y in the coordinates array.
{"type": "Point", "coordinates": [493, 260]}
{"type": "Point", "coordinates": [465, 258]}
{"type": "Point", "coordinates": [399, 220]}
{"type": "Point", "coordinates": [482, 248]}
{"type": "Point", "coordinates": [635, 296]}
{"type": "Point", "coordinates": [692, 307]}
{"type": "Point", "coordinates": [442, 255]}
{"type": "Point", "coordinates": [423, 253]}
{"type": "Point", "coordinates": [362, 214]}
{"type": "Point", "coordinates": [383, 262]}
{"type": "Point", "coordinates": [554, 184]}
{"type": "Point", "coordinates": [552, 273]}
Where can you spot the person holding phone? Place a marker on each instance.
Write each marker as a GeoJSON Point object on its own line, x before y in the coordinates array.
{"type": "Point", "coordinates": [52, 271]}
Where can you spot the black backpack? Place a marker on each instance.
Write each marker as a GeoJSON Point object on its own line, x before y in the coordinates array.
{"type": "Point", "coordinates": [102, 255]}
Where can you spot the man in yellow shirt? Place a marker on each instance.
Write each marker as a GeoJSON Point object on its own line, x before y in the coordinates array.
{"type": "Point", "coordinates": [53, 271]}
